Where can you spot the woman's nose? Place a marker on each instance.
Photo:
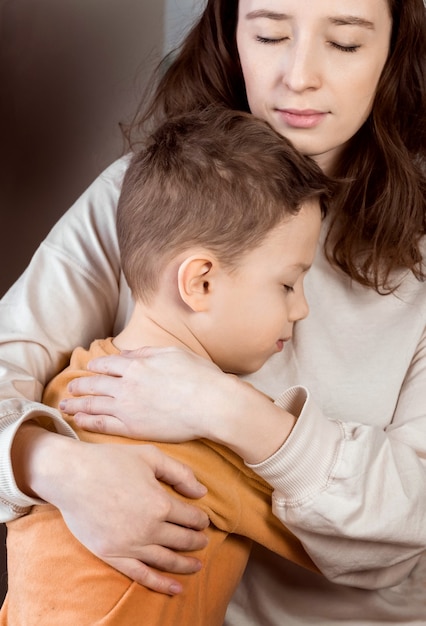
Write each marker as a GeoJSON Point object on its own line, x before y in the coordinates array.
{"type": "Point", "coordinates": [301, 66]}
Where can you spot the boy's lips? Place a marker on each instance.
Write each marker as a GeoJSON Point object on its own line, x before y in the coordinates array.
{"type": "Point", "coordinates": [281, 342]}
{"type": "Point", "coordinates": [301, 118]}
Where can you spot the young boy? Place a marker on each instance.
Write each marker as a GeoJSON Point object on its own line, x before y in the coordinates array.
{"type": "Point", "coordinates": [218, 222]}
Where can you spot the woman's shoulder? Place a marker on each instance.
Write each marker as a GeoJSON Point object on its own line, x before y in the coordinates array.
{"type": "Point", "coordinates": [113, 175]}
{"type": "Point", "coordinates": [92, 216]}
{"type": "Point", "coordinates": [106, 186]}
{"type": "Point", "coordinates": [85, 237]}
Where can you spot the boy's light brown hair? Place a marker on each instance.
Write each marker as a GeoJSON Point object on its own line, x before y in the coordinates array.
{"type": "Point", "coordinates": [219, 179]}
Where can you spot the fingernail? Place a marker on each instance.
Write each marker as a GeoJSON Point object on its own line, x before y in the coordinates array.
{"type": "Point", "coordinates": [175, 588]}
{"type": "Point", "coordinates": [62, 405]}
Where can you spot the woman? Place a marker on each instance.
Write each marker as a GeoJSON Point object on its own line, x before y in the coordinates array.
{"type": "Point", "coordinates": [344, 80]}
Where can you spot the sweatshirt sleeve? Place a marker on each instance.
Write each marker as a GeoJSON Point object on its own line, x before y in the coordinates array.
{"type": "Point", "coordinates": [67, 296]}
{"type": "Point", "coordinates": [355, 494]}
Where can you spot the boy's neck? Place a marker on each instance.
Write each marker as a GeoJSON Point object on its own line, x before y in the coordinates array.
{"type": "Point", "coordinates": [146, 327]}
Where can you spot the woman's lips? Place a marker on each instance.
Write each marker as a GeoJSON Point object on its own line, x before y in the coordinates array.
{"type": "Point", "coordinates": [301, 119]}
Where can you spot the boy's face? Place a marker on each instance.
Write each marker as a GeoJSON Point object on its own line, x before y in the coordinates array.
{"type": "Point", "coordinates": [255, 307]}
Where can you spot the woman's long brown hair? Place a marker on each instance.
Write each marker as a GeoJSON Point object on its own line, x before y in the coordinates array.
{"type": "Point", "coordinates": [380, 217]}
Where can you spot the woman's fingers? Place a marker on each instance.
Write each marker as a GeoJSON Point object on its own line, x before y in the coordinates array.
{"type": "Point", "coordinates": [98, 423]}
{"type": "Point", "coordinates": [131, 390]}
{"type": "Point", "coordinates": [116, 364]}
{"type": "Point", "coordinates": [117, 508]}
{"type": "Point", "coordinates": [114, 504]}
{"type": "Point", "coordinates": [97, 385]}
{"type": "Point", "coordinates": [149, 577]}
{"type": "Point", "coordinates": [182, 478]}
{"type": "Point", "coordinates": [179, 539]}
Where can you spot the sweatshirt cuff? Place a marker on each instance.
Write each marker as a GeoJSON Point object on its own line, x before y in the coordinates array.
{"type": "Point", "coordinates": [14, 502]}
{"type": "Point", "coordinates": [303, 466]}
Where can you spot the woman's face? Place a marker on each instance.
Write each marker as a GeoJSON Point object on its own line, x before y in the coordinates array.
{"type": "Point", "coordinates": [311, 67]}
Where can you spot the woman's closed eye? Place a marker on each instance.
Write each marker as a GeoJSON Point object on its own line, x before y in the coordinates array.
{"type": "Point", "coordinates": [270, 40]}
{"type": "Point", "coordinates": [342, 48]}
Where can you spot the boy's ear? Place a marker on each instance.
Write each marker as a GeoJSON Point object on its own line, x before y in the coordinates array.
{"type": "Point", "coordinates": [195, 275]}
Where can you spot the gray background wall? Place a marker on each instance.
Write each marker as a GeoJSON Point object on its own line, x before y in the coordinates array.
{"type": "Point", "coordinates": [70, 72]}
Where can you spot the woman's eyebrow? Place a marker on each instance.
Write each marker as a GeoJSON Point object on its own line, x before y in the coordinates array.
{"type": "Point", "coordinates": [341, 20]}
{"type": "Point", "coordinates": [351, 20]}
{"type": "Point", "coordinates": [270, 15]}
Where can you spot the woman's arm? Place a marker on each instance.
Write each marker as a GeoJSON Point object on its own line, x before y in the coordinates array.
{"type": "Point", "coordinates": [67, 296]}
{"type": "Point", "coordinates": [355, 494]}
{"type": "Point", "coordinates": [70, 294]}
{"type": "Point", "coordinates": [104, 487]}
{"type": "Point", "coordinates": [200, 401]}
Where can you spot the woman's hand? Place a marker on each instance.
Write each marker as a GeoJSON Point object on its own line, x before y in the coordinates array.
{"type": "Point", "coordinates": [173, 395]}
{"type": "Point", "coordinates": [111, 500]}
{"type": "Point", "coordinates": [159, 394]}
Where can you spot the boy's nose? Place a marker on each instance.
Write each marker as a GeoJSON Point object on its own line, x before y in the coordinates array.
{"type": "Point", "coordinates": [300, 310]}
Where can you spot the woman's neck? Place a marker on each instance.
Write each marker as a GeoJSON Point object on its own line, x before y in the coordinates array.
{"type": "Point", "coordinates": [327, 161]}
